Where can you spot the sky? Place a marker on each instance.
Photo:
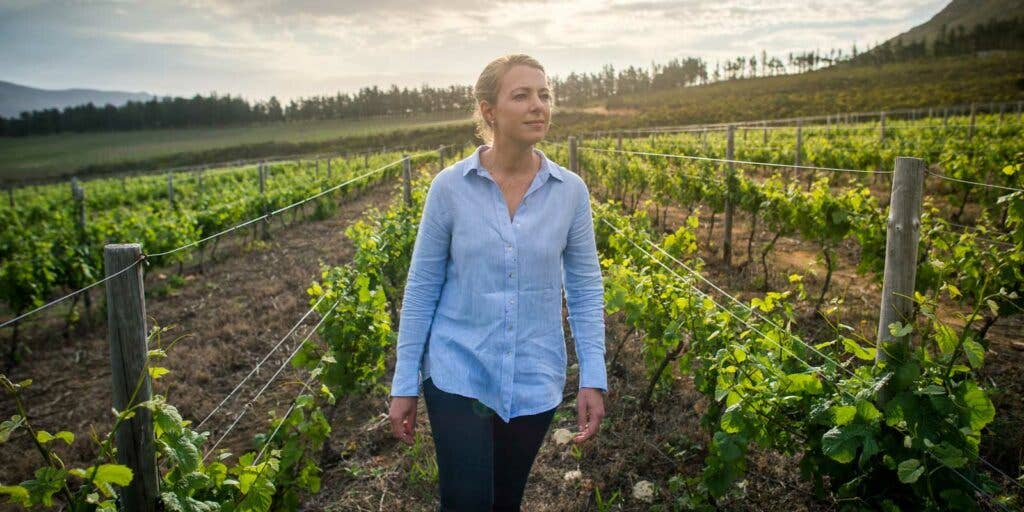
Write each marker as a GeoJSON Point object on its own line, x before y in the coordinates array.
{"type": "Point", "coordinates": [300, 48]}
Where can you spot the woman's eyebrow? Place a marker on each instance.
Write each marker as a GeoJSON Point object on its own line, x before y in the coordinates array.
{"type": "Point", "coordinates": [542, 89]}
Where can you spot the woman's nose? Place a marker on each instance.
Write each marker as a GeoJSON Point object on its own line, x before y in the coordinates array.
{"type": "Point", "coordinates": [536, 105]}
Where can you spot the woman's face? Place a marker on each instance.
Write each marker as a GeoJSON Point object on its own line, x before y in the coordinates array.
{"type": "Point", "coordinates": [523, 110]}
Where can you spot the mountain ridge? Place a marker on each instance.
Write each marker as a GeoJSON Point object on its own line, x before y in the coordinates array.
{"type": "Point", "coordinates": [962, 12]}
{"type": "Point", "coordinates": [17, 98]}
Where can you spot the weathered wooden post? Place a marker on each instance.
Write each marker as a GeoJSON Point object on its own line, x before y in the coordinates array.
{"type": "Point", "coordinates": [366, 160]}
{"type": "Point", "coordinates": [574, 164]}
{"type": "Point", "coordinates": [126, 333]}
{"type": "Point", "coordinates": [764, 135]}
{"type": "Point", "coordinates": [407, 179]}
{"type": "Point", "coordinates": [440, 157]}
{"type": "Point", "coordinates": [970, 131]}
{"type": "Point", "coordinates": [618, 142]}
{"type": "Point", "coordinates": [730, 195]}
{"type": "Point", "coordinates": [799, 142]}
{"type": "Point", "coordinates": [328, 168]}
{"type": "Point", "coordinates": [170, 188]}
{"type": "Point", "coordinates": [78, 193]}
{"type": "Point", "coordinates": [265, 224]}
{"type": "Point", "coordinates": [903, 232]}
{"type": "Point", "coordinates": [881, 126]}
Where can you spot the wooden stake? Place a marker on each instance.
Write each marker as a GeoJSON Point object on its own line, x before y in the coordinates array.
{"type": "Point", "coordinates": [730, 196]}
{"type": "Point", "coordinates": [407, 179]}
{"type": "Point", "coordinates": [126, 321]}
{"type": "Point", "coordinates": [903, 232]}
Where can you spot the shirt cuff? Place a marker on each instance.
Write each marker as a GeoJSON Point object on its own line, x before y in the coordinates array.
{"type": "Point", "coordinates": [593, 373]}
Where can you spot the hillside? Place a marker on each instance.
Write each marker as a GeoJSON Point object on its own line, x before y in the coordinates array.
{"type": "Point", "coordinates": [842, 88]}
{"type": "Point", "coordinates": [15, 99]}
{"type": "Point", "coordinates": [963, 12]}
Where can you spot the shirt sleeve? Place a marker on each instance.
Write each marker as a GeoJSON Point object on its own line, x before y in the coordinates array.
{"type": "Point", "coordinates": [584, 294]}
{"type": "Point", "coordinates": [423, 286]}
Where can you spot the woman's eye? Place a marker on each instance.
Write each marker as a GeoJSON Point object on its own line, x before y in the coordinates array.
{"type": "Point", "coordinates": [520, 96]}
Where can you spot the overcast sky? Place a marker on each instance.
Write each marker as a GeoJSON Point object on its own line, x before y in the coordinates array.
{"type": "Point", "coordinates": [290, 48]}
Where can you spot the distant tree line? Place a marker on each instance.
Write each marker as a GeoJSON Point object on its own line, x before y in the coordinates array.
{"type": "Point", "coordinates": [574, 90]}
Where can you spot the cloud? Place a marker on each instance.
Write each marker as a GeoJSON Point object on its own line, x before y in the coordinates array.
{"type": "Point", "coordinates": [303, 47]}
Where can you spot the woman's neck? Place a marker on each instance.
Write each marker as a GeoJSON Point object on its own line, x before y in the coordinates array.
{"type": "Point", "coordinates": [507, 158]}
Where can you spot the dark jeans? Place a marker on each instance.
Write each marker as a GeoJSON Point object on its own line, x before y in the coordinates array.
{"type": "Point", "coordinates": [482, 462]}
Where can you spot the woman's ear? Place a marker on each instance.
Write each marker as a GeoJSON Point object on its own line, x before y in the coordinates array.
{"type": "Point", "coordinates": [487, 112]}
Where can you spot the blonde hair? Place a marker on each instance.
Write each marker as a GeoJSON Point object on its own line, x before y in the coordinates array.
{"type": "Point", "coordinates": [489, 84]}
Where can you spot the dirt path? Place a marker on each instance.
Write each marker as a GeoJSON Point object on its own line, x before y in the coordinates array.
{"type": "Point", "coordinates": [231, 316]}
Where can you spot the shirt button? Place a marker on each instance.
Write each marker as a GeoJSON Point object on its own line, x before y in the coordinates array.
{"type": "Point", "coordinates": [508, 248]}
{"type": "Point", "coordinates": [510, 327]}
{"type": "Point", "coordinates": [510, 275]}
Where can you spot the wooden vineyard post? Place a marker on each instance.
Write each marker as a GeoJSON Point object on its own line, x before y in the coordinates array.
{"type": "Point", "coordinates": [440, 158]}
{"type": "Point", "coordinates": [366, 160]}
{"type": "Point", "coordinates": [799, 142]}
{"type": "Point", "coordinates": [903, 232]}
{"type": "Point", "coordinates": [170, 188]}
{"type": "Point", "coordinates": [316, 169]}
{"type": "Point", "coordinates": [970, 131]}
{"type": "Point", "coordinates": [730, 195]}
{"type": "Point", "coordinates": [265, 223]}
{"type": "Point", "coordinates": [764, 134]}
{"type": "Point", "coordinates": [78, 193]}
{"type": "Point", "coordinates": [126, 324]}
{"type": "Point", "coordinates": [618, 142]}
{"type": "Point", "coordinates": [10, 195]}
{"type": "Point", "coordinates": [407, 179]}
{"type": "Point", "coordinates": [574, 164]}
{"type": "Point", "coordinates": [945, 118]}
{"type": "Point", "coordinates": [328, 168]}
{"type": "Point", "coordinates": [881, 126]}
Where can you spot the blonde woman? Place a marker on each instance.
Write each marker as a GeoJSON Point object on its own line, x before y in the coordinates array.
{"type": "Point", "coordinates": [481, 324]}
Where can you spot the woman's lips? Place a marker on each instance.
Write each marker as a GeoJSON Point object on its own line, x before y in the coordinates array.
{"type": "Point", "coordinates": [536, 124]}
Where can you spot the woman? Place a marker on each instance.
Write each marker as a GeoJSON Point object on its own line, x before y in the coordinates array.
{"type": "Point", "coordinates": [482, 316]}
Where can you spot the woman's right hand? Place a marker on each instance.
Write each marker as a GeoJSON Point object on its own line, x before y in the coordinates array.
{"type": "Point", "coordinates": [403, 418]}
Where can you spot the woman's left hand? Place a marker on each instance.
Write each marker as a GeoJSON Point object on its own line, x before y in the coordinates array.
{"type": "Point", "coordinates": [590, 404]}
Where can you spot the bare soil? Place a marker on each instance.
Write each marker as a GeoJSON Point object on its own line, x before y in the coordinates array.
{"type": "Point", "coordinates": [243, 304]}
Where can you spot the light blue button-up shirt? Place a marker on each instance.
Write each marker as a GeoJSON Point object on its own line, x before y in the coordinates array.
{"type": "Point", "coordinates": [482, 313]}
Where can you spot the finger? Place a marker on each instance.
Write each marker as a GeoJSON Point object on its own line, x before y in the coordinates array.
{"type": "Point", "coordinates": [396, 428]}
{"type": "Point", "coordinates": [581, 414]}
{"type": "Point", "coordinates": [409, 429]}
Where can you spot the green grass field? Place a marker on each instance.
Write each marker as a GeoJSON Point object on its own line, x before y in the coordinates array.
{"type": "Point", "coordinates": [48, 155]}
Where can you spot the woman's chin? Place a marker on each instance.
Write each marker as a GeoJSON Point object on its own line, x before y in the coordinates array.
{"type": "Point", "coordinates": [534, 137]}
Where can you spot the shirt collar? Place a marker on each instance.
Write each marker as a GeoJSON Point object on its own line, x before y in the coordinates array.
{"type": "Point", "coordinates": [546, 166]}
